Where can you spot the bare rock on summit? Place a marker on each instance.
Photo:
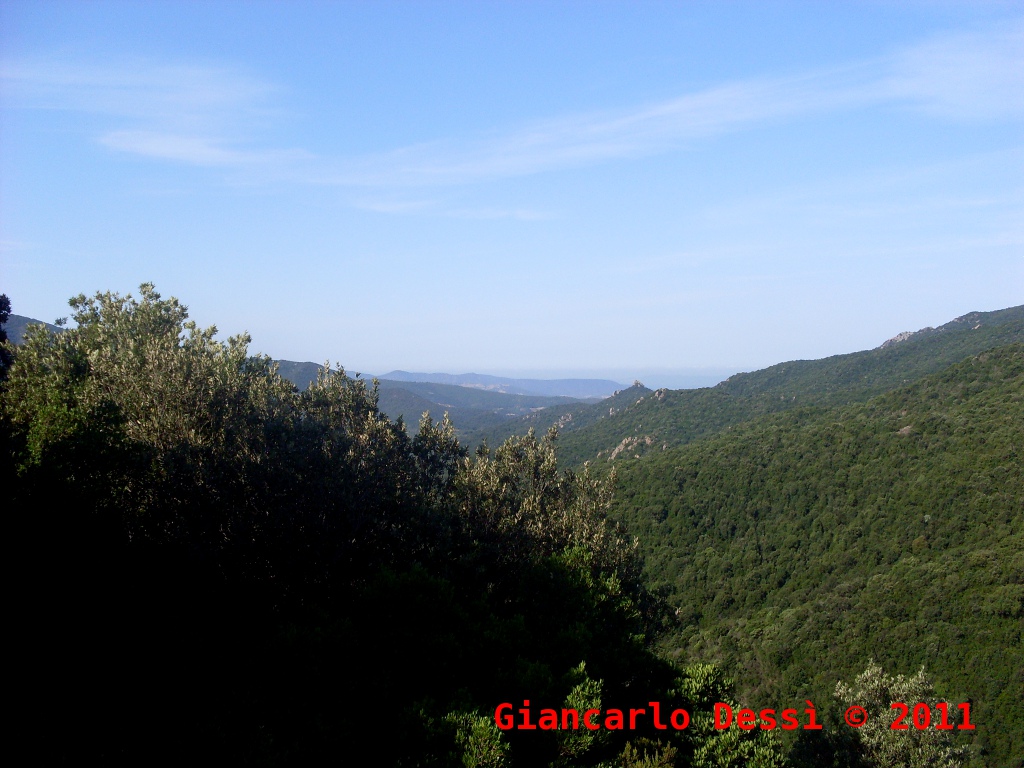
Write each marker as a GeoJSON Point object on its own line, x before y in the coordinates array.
{"type": "Point", "coordinates": [903, 337]}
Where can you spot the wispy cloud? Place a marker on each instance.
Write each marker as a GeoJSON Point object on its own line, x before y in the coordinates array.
{"type": "Point", "coordinates": [967, 77]}
{"type": "Point", "coordinates": [517, 214]}
{"type": "Point", "coordinates": [595, 137]}
{"type": "Point", "coordinates": [199, 115]}
{"type": "Point", "coordinates": [959, 77]}
{"type": "Point", "coordinates": [186, 96]}
{"type": "Point", "coordinates": [209, 116]}
{"type": "Point", "coordinates": [397, 206]}
{"type": "Point", "coordinates": [444, 209]}
{"type": "Point", "coordinates": [196, 149]}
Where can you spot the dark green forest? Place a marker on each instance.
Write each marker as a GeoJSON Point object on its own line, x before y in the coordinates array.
{"type": "Point", "coordinates": [795, 546]}
{"type": "Point", "coordinates": [221, 566]}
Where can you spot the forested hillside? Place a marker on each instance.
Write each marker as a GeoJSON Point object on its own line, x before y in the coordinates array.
{"type": "Point", "coordinates": [797, 546]}
{"type": "Point", "coordinates": [644, 421]}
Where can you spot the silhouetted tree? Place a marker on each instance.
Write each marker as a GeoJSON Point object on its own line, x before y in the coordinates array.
{"type": "Point", "coordinates": [5, 352]}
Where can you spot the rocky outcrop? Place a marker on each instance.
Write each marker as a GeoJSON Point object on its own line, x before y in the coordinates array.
{"type": "Point", "coordinates": [903, 337]}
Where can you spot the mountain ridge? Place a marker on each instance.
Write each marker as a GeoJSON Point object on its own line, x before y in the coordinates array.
{"type": "Point", "coordinates": [580, 389]}
{"type": "Point", "coordinates": [16, 326]}
{"type": "Point", "coordinates": [660, 419]}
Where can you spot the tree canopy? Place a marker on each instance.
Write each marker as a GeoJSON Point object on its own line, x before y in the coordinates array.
{"type": "Point", "coordinates": [221, 563]}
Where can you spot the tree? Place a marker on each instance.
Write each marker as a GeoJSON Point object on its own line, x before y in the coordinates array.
{"type": "Point", "coordinates": [911, 748]}
{"type": "Point", "coordinates": [5, 352]}
{"type": "Point", "coordinates": [224, 565]}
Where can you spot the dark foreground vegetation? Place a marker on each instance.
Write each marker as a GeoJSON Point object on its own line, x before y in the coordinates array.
{"type": "Point", "coordinates": [219, 568]}
{"type": "Point", "coordinates": [226, 569]}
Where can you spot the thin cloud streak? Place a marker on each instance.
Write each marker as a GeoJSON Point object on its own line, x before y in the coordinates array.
{"type": "Point", "coordinates": [195, 150]}
{"type": "Point", "coordinates": [517, 214]}
{"type": "Point", "coordinates": [963, 78]}
{"type": "Point", "coordinates": [593, 138]}
{"type": "Point", "coordinates": [182, 96]}
{"type": "Point", "coordinates": [202, 115]}
{"type": "Point", "coordinates": [438, 208]}
{"type": "Point", "coordinates": [197, 115]}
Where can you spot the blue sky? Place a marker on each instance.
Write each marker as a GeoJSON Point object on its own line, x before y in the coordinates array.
{"type": "Point", "coordinates": [550, 189]}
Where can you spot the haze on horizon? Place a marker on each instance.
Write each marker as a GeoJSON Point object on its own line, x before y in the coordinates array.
{"type": "Point", "coordinates": [538, 190]}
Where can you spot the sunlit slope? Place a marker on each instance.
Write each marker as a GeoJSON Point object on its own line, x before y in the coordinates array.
{"type": "Point", "coordinates": [800, 545]}
{"type": "Point", "coordinates": [641, 421]}
{"type": "Point", "coordinates": [834, 380]}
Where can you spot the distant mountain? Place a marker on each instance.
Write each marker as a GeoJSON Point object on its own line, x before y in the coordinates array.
{"type": "Point", "coordinates": [470, 409]}
{"type": "Point", "coordinates": [900, 360]}
{"type": "Point", "coordinates": [568, 419]}
{"type": "Point", "coordinates": [454, 396]}
{"type": "Point", "coordinates": [17, 325]}
{"type": "Point", "coordinates": [655, 421]}
{"type": "Point", "coordinates": [299, 374]}
{"type": "Point", "coordinates": [579, 389]}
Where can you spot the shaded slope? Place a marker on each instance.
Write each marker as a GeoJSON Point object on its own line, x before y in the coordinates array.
{"type": "Point", "coordinates": [17, 325]}
{"type": "Point", "coordinates": [455, 396]}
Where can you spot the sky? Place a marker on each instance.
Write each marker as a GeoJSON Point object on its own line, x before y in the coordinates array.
{"type": "Point", "coordinates": [625, 190]}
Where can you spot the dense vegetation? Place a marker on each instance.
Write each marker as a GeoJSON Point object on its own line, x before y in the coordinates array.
{"type": "Point", "coordinates": [796, 546]}
{"type": "Point", "coordinates": [221, 565]}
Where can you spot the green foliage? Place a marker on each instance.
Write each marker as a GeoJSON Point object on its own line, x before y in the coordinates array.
{"type": "Point", "coordinates": [647, 753]}
{"type": "Point", "coordinates": [518, 497]}
{"type": "Point", "coordinates": [568, 418]}
{"type": "Point", "coordinates": [910, 748]}
{"type": "Point", "coordinates": [637, 422]}
{"type": "Point", "coordinates": [220, 564]}
{"type": "Point", "coordinates": [472, 410]}
{"type": "Point", "coordinates": [702, 686]}
{"type": "Point", "coordinates": [481, 742]}
{"type": "Point", "coordinates": [229, 567]}
{"type": "Point", "coordinates": [585, 694]}
{"type": "Point", "coordinates": [797, 546]}
{"type": "Point", "coordinates": [5, 350]}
